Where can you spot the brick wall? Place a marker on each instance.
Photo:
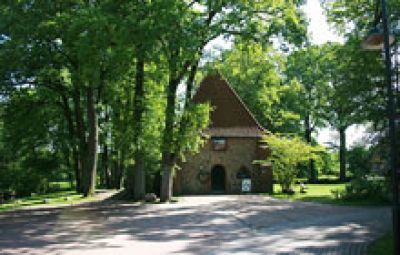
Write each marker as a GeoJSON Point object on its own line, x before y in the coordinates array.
{"type": "Point", "coordinates": [195, 174]}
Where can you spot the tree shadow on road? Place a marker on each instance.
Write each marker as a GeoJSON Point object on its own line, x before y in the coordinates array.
{"type": "Point", "coordinates": [235, 225]}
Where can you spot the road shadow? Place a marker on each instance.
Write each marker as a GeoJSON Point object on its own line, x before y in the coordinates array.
{"type": "Point", "coordinates": [238, 224]}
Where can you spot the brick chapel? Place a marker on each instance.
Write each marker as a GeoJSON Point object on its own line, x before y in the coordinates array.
{"type": "Point", "coordinates": [232, 146]}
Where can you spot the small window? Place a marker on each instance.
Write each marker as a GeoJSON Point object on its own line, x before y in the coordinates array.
{"type": "Point", "coordinates": [218, 143]}
{"type": "Point", "coordinates": [243, 173]}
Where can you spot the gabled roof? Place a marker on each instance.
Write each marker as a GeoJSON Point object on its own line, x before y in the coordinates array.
{"type": "Point", "coordinates": [230, 116]}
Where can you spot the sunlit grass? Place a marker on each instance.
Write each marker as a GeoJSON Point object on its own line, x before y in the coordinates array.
{"type": "Point", "coordinates": [59, 186]}
{"type": "Point", "coordinates": [314, 192]}
{"type": "Point", "coordinates": [55, 198]}
{"type": "Point", "coordinates": [327, 177]}
{"type": "Point", "coordinates": [321, 193]}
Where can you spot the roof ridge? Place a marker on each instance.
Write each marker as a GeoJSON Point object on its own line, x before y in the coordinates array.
{"type": "Point", "coordinates": [211, 89]}
{"type": "Point", "coordinates": [233, 91]}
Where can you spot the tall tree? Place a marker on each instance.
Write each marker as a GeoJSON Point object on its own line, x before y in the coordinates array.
{"type": "Point", "coordinates": [304, 65]}
{"type": "Point", "coordinates": [354, 20]}
{"type": "Point", "coordinates": [113, 68]}
{"type": "Point", "coordinates": [66, 55]}
{"type": "Point", "coordinates": [352, 77]}
{"type": "Point", "coordinates": [197, 23]}
{"type": "Point", "coordinates": [355, 17]}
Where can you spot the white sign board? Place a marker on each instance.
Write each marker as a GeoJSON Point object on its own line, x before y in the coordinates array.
{"type": "Point", "coordinates": [246, 185]}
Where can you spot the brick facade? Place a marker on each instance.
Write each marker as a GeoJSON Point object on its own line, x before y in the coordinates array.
{"type": "Point", "coordinates": [195, 174]}
{"type": "Point", "coordinates": [234, 123]}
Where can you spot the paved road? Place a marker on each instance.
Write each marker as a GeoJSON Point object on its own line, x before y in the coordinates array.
{"type": "Point", "coordinates": [196, 225]}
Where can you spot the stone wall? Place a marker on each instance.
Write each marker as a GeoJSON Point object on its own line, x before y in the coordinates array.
{"type": "Point", "coordinates": [195, 174]}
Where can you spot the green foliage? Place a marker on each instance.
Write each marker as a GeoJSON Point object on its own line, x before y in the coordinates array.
{"type": "Point", "coordinates": [366, 188]}
{"type": "Point", "coordinates": [30, 173]}
{"type": "Point", "coordinates": [196, 120]}
{"type": "Point", "coordinates": [31, 143]}
{"type": "Point", "coordinates": [70, 67]}
{"type": "Point", "coordinates": [356, 17]}
{"type": "Point", "coordinates": [321, 193]}
{"type": "Point", "coordinates": [341, 86]}
{"type": "Point", "coordinates": [23, 181]}
{"type": "Point", "coordinates": [286, 153]}
{"type": "Point", "coordinates": [383, 245]}
{"type": "Point", "coordinates": [328, 163]}
{"type": "Point", "coordinates": [327, 193]}
{"type": "Point", "coordinates": [359, 160]}
{"type": "Point", "coordinates": [339, 83]}
{"type": "Point", "coordinates": [362, 70]}
{"type": "Point", "coordinates": [255, 72]}
{"type": "Point", "coordinates": [304, 66]}
{"type": "Point", "coordinates": [354, 77]}
{"type": "Point", "coordinates": [66, 64]}
{"type": "Point", "coordinates": [193, 27]}
{"type": "Point", "coordinates": [54, 198]}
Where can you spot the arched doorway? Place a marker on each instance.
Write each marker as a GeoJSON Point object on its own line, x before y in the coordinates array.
{"type": "Point", "coordinates": [218, 179]}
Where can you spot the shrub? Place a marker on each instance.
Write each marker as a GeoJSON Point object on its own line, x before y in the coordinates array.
{"type": "Point", "coordinates": [31, 174]}
{"type": "Point", "coordinates": [358, 159]}
{"type": "Point", "coordinates": [286, 155]}
{"type": "Point", "coordinates": [328, 163]}
{"type": "Point", "coordinates": [23, 181]}
{"type": "Point", "coordinates": [363, 188]}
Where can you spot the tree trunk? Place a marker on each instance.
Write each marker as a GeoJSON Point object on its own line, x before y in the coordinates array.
{"type": "Point", "coordinates": [105, 159]}
{"type": "Point", "coordinates": [188, 96]}
{"type": "Point", "coordinates": [168, 157]}
{"type": "Point", "coordinates": [157, 183]}
{"type": "Point", "coordinates": [167, 182]}
{"type": "Point", "coordinates": [342, 154]}
{"type": "Point", "coordinates": [117, 149]}
{"type": "Point", "coordinates": [66, 151]}
{"type": "Point", "coordinates": [311, 163]}
{"type": "Point", "coordinates": [91, 162]}
{"type": "Point", "coordinates": [72, 132]}
{"type": "Point", "coordinates": [119, 169]}
{"type": "Point", "coordinates": [80, 133]}
{"type": "Point", "coordinates": [139, 180]}
{"type": "Point", "coordinates": [106, 166]}
{"type": "Point", "coordinates": [114, 164]}
{"type": "Point", "coordinates": [167, 161]}
{"type": "Point", "coordinates": [190, 84]}
{"type": "Point", "coordinates": [78, 172]}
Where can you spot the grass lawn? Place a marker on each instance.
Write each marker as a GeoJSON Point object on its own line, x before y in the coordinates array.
{"type": "Point", "coordinates": [329, 177]}
{"type": "Point", "coordinates": [382, 246]}
{"type": "Point", "coordinates": [55, 198]}
{"type": "Point", "coordinates": [60, 186]}
{"type": "Point", "coordinates": [315, 192]}
{"type": "Point", "coordinates": [321, 193]}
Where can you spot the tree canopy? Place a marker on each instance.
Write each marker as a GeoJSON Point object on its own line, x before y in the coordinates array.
{"type": "Point", "coordinates": [101, 80]}
{"type": "Point", "coordinates": [100, 92]}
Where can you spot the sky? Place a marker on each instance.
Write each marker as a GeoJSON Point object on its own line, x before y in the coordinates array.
{"type": "Point", "coordinates": [320, 32]}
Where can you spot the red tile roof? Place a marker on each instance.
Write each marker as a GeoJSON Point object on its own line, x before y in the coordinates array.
{"type": "Point", "coordinates": [230, 117]}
